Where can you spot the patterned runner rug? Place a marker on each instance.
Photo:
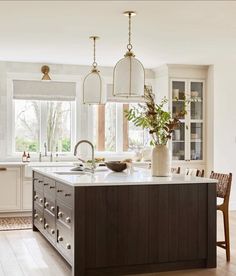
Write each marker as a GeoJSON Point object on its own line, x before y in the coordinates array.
{"type": "Point", "coordinates": [15, 223]}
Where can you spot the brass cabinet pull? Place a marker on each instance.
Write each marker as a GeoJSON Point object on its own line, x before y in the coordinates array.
{"type": "Point", "coordinates": [36, 215]}
{"type": "Point", "coordinates": [45, 184]}
{"type": "Point", "coordinates": [3, 169]}
{"type": "Point", "coordinates": [60, 214]}
{"type": "Point", "coordinates": [36, 197]}
{"type": "Point", "coordinates": [67, 194]}
{"type": "Point", "coordinates": [41, 219]}
{"type": "Point", "coordinates": [59, 191]}
{"type": "Point", "coordinates": [46, 204]}
{"type": "Point", "coordinates": [60, 238]}
{"type": "Point", "coordinates": [68, 246]}
{"type": "Point", "coordinates": [52, 231]}
{"type": "Point", "coordinates": [41, 200]}
{"type": "Point", "coordinates": [68, 219]}
{"type": "Point", "coordinates": [46, 225]}
{"type": "Point", "coordinates": [52, 208]}
{"type": "Point", "coordinates": [51, 187]}
{"type": "Point", "coordinates": [40, 181]}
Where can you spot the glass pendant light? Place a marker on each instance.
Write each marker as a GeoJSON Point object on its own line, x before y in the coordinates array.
{"type": "Point", "coordinates": [93, 85]}
{"type": "Point", "coordinates": [129, 73]}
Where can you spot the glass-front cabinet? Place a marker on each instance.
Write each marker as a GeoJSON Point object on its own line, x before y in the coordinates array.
{"type": "Point", "coordinates": [188, 139]}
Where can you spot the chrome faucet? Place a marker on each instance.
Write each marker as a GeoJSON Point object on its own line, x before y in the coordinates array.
{"type": "Point", "coordinates": [92, 147]}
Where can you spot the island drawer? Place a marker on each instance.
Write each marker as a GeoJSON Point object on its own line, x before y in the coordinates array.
{"type": "Point", "coordinates": [64, 242]}
{"type": "Point", "coordinates": [65, 194]}
{"type": "Point", "coordinates": [64, 215]}
{"type": "Point", "coordinates": [49, 188]}
{"type": "Point", "coordinates": [49, 206]}
{"type": "Point", "coordinates": [39, 199]}
{"type": "Point", "coordinates": [38, 182]}
{"type": "Point", "coordinates": [38, 218]}
{"type": "Point", "coordinates": [50, 226]}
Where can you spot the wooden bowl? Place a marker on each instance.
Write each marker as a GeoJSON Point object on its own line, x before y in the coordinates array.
{"type": "Point", "coordinates": [116, 166]}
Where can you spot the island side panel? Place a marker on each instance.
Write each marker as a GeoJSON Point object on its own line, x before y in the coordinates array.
{"type": "Point", "coordinates": [211, 256]}
{"type": "Point", "coordinates": [131, 228]}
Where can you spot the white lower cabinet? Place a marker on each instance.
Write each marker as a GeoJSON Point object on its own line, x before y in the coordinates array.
{"type": "Point", "coordinates": [10, 189]}
{"type": "Point", "coordinates": [27, 195]}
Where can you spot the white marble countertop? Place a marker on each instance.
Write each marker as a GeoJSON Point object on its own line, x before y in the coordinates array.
{"type": "Point", "coordinates": [106, 177]}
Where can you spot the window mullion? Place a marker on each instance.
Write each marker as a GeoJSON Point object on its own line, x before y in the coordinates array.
{"type": "Point", "coordinates": [119, 127]}
{"type": "Point", "coordinates": [43, 125]}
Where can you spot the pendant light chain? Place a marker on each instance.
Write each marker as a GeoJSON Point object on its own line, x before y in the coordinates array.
{"type": "Point", "coordinates": [129, 46]}
{"type": "Point", "coordinates": [94, 53]}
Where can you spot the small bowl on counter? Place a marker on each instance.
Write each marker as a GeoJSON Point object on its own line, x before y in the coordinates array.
{"type": "Point", "coordinates": [116, 166]}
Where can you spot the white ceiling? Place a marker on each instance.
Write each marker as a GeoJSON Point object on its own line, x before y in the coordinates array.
{"type": "Point", "coordinates": [195, 32]}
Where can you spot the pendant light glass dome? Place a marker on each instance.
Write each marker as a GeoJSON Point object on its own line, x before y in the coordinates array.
{"type": "Point", "coordinates": [93, 85]}
{"type": "Point", "coordinates": [129, 73]}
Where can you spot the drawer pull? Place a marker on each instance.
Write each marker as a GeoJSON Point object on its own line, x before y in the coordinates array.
{"type": "Point", "coordinates": [45, 184]}
{"type": "Point", "coordinates": [68, 246]}
{"type": "Point", "coordinates": [59, 191]}
{"type": "Point", "coordinates": [46, 204]}
{"type": "Point", "coordinates": [68, 219]}
{"type": "Point", "coordinates": [40, 181]}
{"type": "Point", "coordinates": [52, 231]}
{"type": "Point", "coordinates": [36, 197]}
{"type": "Point", "coordinates": [60, 214]}
{"type": "Point", "coordinates": [60, 238]}
{"type": "Point", "coordinates": [36, 215]}
{"type": "Point", "coordinates": [41, 219]}
{"type": "Point", "coordinates": [46, 225]}
{"type": "Point", "coordinates": [41, 200]}
{"type": "Point", "coordinates": [3, 169]}
{"type": "Point", "coordinates": [52, 208]}
{"type": "Point", "coordinates": [67, 194]}
{"type": "Point", "coordinates": [51, 187]}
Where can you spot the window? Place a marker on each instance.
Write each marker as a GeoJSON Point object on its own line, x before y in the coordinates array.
{"type": "Point", "coordinates": [104, 128]}
{"type": "Point", "coordinates": [27, 125]}
{"type": "Point", "coordinates": [113, 132]}
{"type": "Point", "coordinates": [39, 122]}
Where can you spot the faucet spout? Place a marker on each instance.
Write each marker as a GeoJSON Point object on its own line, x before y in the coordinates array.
{"type": "Point", "coordinates": [92, 148]}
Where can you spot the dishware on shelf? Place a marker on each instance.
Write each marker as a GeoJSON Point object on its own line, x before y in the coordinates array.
{"type": "Point", "coordinates": [175, 93]}
{"type": "Point", "coordinates": [194, 94]}
{"type": "Point", "coordinates": [194, 136]}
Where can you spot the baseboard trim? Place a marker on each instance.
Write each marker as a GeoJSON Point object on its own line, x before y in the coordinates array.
{"type": "Point", "coordinates": [15, 214]}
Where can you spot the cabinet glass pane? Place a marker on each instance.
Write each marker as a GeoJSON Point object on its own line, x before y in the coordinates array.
{"type": "Point", "coordinates": [178, 92]}
{"type": "Point", "coordinates": [196, 100]}
{"type": "Point", "coordinates": [196, 141]}
{"type": "Point", "coordinates": [178, 143]}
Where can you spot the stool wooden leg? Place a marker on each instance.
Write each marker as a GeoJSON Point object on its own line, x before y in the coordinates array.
{"type": "Point", "coordinates": [226, 228]}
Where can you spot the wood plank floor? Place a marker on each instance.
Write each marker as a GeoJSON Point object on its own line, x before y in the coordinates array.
{"type": "Point", "coordinates": [27, 253]}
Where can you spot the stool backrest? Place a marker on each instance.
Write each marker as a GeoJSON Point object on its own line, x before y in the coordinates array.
{"type": "Point", "coordinates": [175, 170]}
{"type": "Point", "coordinates": [223, 186]}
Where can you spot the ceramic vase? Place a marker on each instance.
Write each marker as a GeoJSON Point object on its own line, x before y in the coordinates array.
{"type": "Point", "coordinates": [161, 161]}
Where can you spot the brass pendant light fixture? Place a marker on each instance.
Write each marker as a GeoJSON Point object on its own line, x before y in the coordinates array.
{"type": "Point", "coordinates": [128, 73]}
{"type": "Point", "coordinates": [93, 85]}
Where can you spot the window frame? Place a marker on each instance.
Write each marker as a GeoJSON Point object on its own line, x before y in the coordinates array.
{"type": "Point", "coordinates": [75, 105]}
{"type": "Point", "coordinates": [43, 128]}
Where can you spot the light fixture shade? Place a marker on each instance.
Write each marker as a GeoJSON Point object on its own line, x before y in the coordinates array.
{"type": "Point", "coordinates": [128, 78]}
{"type": "Point", "coordinates": [94, 89]}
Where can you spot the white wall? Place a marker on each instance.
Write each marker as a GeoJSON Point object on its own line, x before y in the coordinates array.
{"type": "Point", "coordinates": [225, 122]}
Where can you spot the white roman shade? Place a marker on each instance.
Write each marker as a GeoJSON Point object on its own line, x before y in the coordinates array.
{"type": "Point", "coordinates": [44, 90]}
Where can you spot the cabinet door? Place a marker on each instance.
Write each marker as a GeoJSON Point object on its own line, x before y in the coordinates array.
{"type": "Point", "coordinates": [10, 180]}
{"type": "Point", "coordinates": [196, 117]}
{"type": "Point", "coordinates": [178, 95]}
{"type": "Point", "coordinates": [27, 195]}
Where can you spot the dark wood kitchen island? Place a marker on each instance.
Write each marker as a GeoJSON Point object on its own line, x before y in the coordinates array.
{"type": "Point", "coordinates": [119, 223]}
